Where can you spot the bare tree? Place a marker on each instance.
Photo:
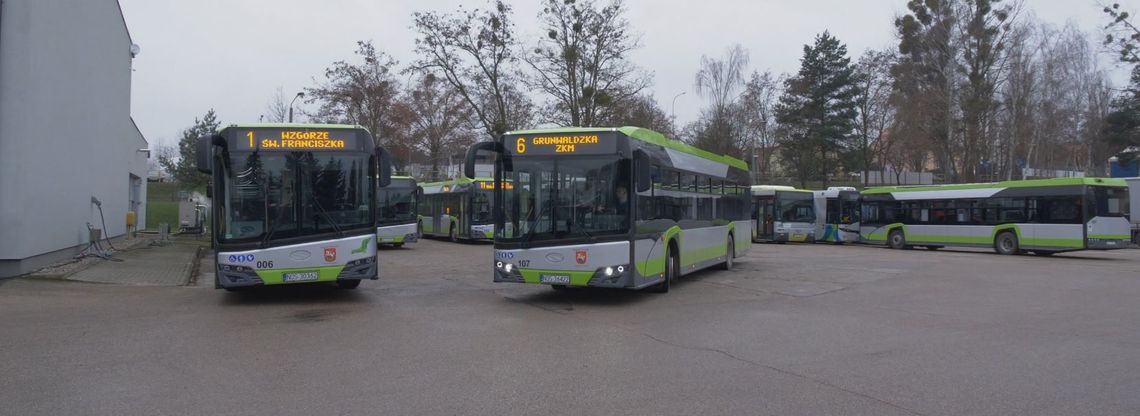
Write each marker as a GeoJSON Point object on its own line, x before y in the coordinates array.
{"type": "Point", "coordinates": [361, 93]}
{"type": "Point", "coordinates": [583, 62]}
{"type": "Point", "coordinates": [720, 80]}
{"type": "Point", "coordinates": [437, 120]}
{"type": "Point", "coordinates": [277, 109]}
{"type": "Point", "coordinates": [757, 104]}
{"type": "Point", "coordinates": [872, 75]}
{"type": "Point", "coordinates": [474, 52]}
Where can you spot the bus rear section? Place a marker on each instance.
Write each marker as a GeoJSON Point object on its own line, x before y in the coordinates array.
{"type": "Point", "coordinates": [1044, 216]}
{"type": "Point", "coordinates": [293, 203]}
{"type": "Point", "coordinates": [783, 213]}
{"type": "Point", "coordinates": [397, 212]}
{"type": "Point", "coordinates": [617, 208]}
{"type": "Point", "coordinates": [837, 215]}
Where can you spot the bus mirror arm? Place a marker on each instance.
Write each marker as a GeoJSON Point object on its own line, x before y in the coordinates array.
{"type": "Point", "coordinates": [384, 159]}
{"type": "Point", "coordinates": [644, 172]}
{"type": "Point", "coordinates": [469, 161]}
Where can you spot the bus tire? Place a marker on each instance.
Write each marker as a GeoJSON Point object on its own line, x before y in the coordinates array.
{"type": "Point", "coordinates": [348, 284]}
{"type": "Point", "coordinates": [1006, 244]}
{"type": "Point", "coordinates": [896, 240]}
{"type": "Point", "coordinates": [670, 271]}
{"type": "Point", "coordinates": [729, 255]}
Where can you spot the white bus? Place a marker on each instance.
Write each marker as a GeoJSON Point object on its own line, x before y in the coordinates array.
{"type": "Point", "coordinates": [783, 213]}
{"type": "Point", "coordinates": [612, 207]}
{"type": "Point", "coordinates": [837, 215]}
{"type": "Point", "coordinates": [1043, 216]}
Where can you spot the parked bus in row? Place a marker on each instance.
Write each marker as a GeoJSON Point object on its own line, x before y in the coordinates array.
{"type": "Point", "coordinates": [1043, 216]}
{"type": "Point", "coordinates": [612, 207]}
{"type": "Point", "coordinates": [458, 209]}
{"type": "Point", "coordinates": [293, 203]}
{"type": "Point", "coordinates": [783, 213]}
{"type": "Point", "coordinates": [837, 215]}
{"type": "Point", "coordinates": [397, 219]}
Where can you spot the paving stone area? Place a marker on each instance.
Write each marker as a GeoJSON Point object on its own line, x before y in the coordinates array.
{"type": "Point", "coordinates": [169, 265]}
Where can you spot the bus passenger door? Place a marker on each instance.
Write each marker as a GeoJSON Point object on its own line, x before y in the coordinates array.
{"type": "Point", "coordinates": [765, 218]}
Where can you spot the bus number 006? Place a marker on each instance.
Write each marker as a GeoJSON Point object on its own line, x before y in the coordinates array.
{"type": "Point", "coordinates": [268, 264]}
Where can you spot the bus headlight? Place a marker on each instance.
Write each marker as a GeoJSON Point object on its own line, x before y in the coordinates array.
{"type": "Point", "coordinates": [609, 271]}
{"type": "Point", "coordinates": [508, 267]}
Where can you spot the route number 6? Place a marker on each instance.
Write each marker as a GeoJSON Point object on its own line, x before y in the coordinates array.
{"type": "Point", "coordinates": [520, 146]}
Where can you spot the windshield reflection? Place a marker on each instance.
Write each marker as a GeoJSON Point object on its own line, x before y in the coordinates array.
{"type": "Point", "coordinates": [559, 198]}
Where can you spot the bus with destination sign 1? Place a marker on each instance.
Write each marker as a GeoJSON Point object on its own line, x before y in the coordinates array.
{"type": "Point", "coordinates": [293, 203]}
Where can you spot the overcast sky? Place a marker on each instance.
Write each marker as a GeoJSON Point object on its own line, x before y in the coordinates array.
{"type": "Point", "coordinates": [233, 55]}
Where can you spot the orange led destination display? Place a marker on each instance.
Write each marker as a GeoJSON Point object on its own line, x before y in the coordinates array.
{"type": "Point", "coordinates": [489, 186]}
{"type": "Point", "coordinates": [559, 144]}
{"type": "Point", "coordinates": [297, 140]}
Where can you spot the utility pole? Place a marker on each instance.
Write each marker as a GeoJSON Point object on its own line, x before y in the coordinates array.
{"type": "Point", "coordinates": [299, 95]}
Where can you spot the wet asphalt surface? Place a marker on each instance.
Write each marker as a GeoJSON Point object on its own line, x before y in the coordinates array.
{"type": "Point", "coordinates": [794, 329]}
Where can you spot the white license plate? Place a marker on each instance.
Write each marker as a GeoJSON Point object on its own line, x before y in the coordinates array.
{"type": "Point", "coordinates": [557, 279]}
{"type": "Point", "coordinates": [300, 277]}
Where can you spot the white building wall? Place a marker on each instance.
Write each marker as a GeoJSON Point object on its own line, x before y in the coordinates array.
{"type": "Point", "coordinates": [65, 129]}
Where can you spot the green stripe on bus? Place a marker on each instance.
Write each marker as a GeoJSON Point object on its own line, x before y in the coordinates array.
{"type": "Point", "coordinates": [276, 276]}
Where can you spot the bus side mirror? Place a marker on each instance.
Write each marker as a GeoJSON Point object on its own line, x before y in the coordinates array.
{"type": "Point", "coordinates": [644, 172]}
{"type": "Point", "coordinates": [205, 153]}
{"type": "Point", "coordinates": [469, 161]}
{"type": "Point", "coordinates": [384, 159]}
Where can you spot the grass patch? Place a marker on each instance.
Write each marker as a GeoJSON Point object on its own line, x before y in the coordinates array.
{"type": "Point", "coordinates": [162, 203]}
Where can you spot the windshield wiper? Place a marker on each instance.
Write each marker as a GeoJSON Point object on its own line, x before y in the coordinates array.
{"type": "Point", "coordinates": [324, 213]}
{"type": "Point", "coordinates": [533, 223]}
{"type": "Point", "coordinates": [583, 230]}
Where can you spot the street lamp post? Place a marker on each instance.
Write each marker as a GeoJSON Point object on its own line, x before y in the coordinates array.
{"type": "Point", "coordinates": [673, 110]}
{"type": "Point", "coordinates": [299, 95]}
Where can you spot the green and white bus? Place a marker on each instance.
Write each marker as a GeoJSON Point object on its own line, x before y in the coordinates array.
{"type": "Point", "coordinates": [1043, 216]}
{"type": "Point", "coordinates": [458, 209]}
{"type": "Point", "coordinates": [783, 213]}
{"type": "Point", "coordinates": [612, 207]}
{"type": "Point", "coordinates": [396, 218]}
{"type": "Point", "coordinates": [293, 203]}
{"type": "Point", "coordinates": [837, 215]}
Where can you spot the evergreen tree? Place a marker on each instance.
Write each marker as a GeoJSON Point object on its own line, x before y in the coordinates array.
{"type": "Point", "coordinates": [184, 168]}
{"type": "Point", "coordinates": [1122, 126]}
{"type": "Point", "coordinates": [818, 109]}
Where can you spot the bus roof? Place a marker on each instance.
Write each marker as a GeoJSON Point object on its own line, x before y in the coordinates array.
{"type": "Point", "coordinates": [782, 188]}
{"type": "Point", "coordinates": [457, 181]}
{"type": "Point", "coordinates": [1031, 183]}
{"type": "Point", "coordinates": [647, 136]}
{"type": "Point", "coordinates": [294, 126]}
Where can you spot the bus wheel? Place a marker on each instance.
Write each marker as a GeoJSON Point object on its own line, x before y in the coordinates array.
{"type": "Point", "coordinates": [897, 240]}
{"type": "Point", "coordinates": [730, 255]}
{"type": "Point", "coordinates": [1006, 244]}
{"type": "Point", "coordinates": [670, 272]}
{"type": "Point", "coordinates": [348, 284]}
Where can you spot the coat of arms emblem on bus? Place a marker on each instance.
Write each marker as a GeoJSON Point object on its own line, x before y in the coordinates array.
{"type": "Point", "coordinates": [330, 254]}
{"type": "Point", "coordinates": [581, 256]}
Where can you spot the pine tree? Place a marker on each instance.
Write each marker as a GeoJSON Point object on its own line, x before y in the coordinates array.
{"type": "Point", "coordinates": [184, 169]}
{"type": "Point", "coordinates": [818, 109]}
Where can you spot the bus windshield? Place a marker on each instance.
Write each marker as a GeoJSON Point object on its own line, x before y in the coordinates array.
{"type": "Point", "coordinates": [397, 203]}
{"type": "Point", "coordinates": [270, 195]}
{"type": "Point", "coordinates": [565, 197]}
{"type": "Point", "coordinates": [796, 207]}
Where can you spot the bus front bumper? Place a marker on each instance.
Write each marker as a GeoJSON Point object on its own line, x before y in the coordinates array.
{"type": "Point", "coordinates": [597, 278]}
{"type": "Point", "coordinates": [238, 276]}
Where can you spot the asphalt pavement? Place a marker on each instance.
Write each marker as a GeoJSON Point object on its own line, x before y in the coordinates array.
{"type": "Point", "coordinates": [793, 330]}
